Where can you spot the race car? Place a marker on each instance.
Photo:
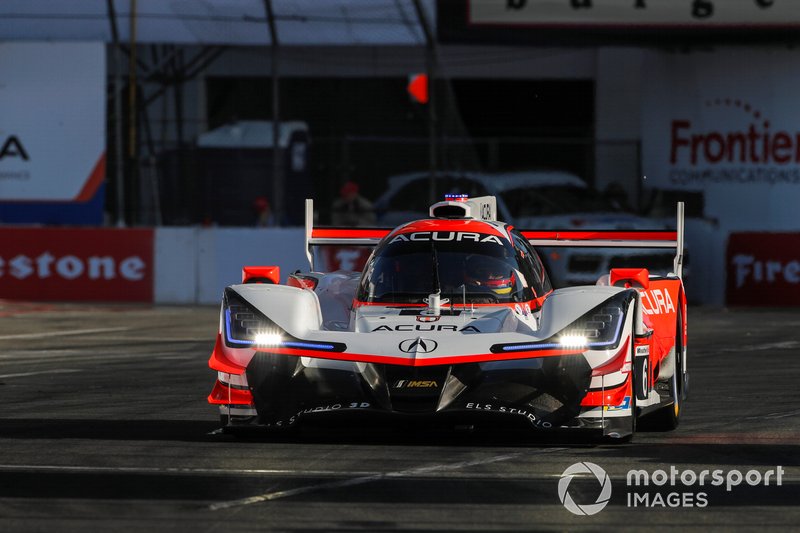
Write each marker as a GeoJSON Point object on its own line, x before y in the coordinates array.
{"type": "Point", "coordinates": [453, 319]}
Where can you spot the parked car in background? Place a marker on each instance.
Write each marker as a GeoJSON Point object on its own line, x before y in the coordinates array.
{"type": "Point", "coordinates": [536, 200]}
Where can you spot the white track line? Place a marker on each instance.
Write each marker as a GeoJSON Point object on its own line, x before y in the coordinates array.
{"type": "Point", "coordinates": [24, 374]}
{"type": "Point", "coordinates": [81, 358]}
{"type": "Point", "coordinates": [175, 470]}
{"type": "Point", "coordinates": [783, 345]}
{"type": "Point", "coordinates": [61, 333]}
{"type": "Point", "coordinates": [772, 416]}
{"type": "Point", "coordinates": [16, 354]}
{"type": "Point", "coordinates": [271, 496]}
{"type": "Point", "coordinates": [77, 359]}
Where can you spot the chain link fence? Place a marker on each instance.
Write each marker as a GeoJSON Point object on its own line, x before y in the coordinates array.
{"type": "Point", "coordinates": [175, 190]}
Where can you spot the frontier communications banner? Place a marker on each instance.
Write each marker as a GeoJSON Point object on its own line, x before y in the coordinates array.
{"type": "Point", "coordinates": [52, 128]}
{"type": "Point", "coordinates": [726, 123]}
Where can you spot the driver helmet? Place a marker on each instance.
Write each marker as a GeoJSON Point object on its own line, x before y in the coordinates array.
{"type": "Point", "coordinates": [489, 272]}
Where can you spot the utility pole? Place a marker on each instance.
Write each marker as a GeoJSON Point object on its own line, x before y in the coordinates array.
{"type": "Point", "coordinates": [132, 85]}
{"type": "Point", "coordinates": [116, 84]}
{"type": "Point", "coordinates": [430, 67]}
{"type": "Point", "coordinates": [133, 164]}
{"type": "Point", "coordinates": [277, 152]}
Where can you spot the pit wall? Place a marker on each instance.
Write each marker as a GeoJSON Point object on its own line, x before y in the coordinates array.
{"type": "Point", "coordinates": [194, 265]}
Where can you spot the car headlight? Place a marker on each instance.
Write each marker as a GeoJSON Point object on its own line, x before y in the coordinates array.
{"type": "Point", "coordinates": [598, 329]}
{"type": "Point", "coordinates": [246, 326]}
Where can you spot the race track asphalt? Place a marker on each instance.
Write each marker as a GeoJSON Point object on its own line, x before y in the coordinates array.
{"type": "Point", "coordinates": [105, 427]}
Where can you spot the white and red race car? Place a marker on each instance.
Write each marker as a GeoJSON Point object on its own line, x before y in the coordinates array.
{"type": "Point", "coordinates": [454, 319]}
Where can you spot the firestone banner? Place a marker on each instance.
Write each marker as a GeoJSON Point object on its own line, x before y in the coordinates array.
{"type": "Point", "coordinates": [763, 269]}
{"type": "Point", "coordinates": [726, 123]}
{"type": "Point", "coordinates": [76, 264]}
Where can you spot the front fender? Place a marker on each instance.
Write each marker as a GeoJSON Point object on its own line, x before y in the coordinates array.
{"type": "Point", "coordinates": [296, 311]}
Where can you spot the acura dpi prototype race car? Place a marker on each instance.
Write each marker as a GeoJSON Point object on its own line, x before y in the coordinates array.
{"type": "Point", "coordinates": [454, 319]}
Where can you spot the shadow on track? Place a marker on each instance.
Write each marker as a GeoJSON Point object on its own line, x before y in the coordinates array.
{"type": "Point", "coordinates": [210, 431]}
{"type": "Point", "coordinates": [96, 429]}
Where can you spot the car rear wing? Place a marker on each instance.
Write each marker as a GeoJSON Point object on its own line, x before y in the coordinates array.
{"type": "Point", "coordinates": [338, 236]}
{"type": "Point", "coordinates": [616, 239]}
{"type": "Point", "coordinates": [591, 238]}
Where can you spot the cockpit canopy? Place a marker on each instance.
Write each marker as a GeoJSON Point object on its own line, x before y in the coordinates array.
{"type": "Point", "coordinates": [469, 267]}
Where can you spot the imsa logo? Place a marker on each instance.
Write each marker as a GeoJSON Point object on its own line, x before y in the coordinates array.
{"type": "Point", "coordinates": [415, 384]}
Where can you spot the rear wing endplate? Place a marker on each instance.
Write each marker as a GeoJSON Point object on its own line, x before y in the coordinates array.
{"type": "Point", "coordinates": [616, 239]}
{"type": "Point", "coordinates": [338, 236]}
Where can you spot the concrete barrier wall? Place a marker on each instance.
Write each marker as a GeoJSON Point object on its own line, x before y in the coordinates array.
{"type": "Point", "coordinates": [705, 275]}
{"type": "Point", "coordinates": [194, 265]}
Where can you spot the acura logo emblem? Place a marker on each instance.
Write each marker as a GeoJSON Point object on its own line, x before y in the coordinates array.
{"type": "Point", "coordinates": [418, 346]}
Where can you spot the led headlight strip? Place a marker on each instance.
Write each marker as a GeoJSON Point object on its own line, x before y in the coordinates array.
{"type": "Point", "coordinates": [247, 327]}
{"type": "Point", "coordinates": [599, 329]}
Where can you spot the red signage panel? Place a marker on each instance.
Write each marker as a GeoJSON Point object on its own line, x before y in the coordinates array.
{"type": "Point", "coordinates": [351, 258]}
{"type": "Point", "coordinates": [76, 264]}
{"type": "Point", "coordinates": [763, 269]}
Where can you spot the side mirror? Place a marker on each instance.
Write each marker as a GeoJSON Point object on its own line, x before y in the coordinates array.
{"type": "Point", "coordinates": [638, 278]}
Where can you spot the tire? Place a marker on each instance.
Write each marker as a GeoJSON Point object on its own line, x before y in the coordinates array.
{"type": "Point", "coordinates": [668, 417]}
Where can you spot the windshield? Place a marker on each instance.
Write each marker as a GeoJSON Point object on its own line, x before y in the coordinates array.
{"type": "Point", "coordinates": [555, 200]}
{"type": "Point", "coordinates": [405, 271]}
